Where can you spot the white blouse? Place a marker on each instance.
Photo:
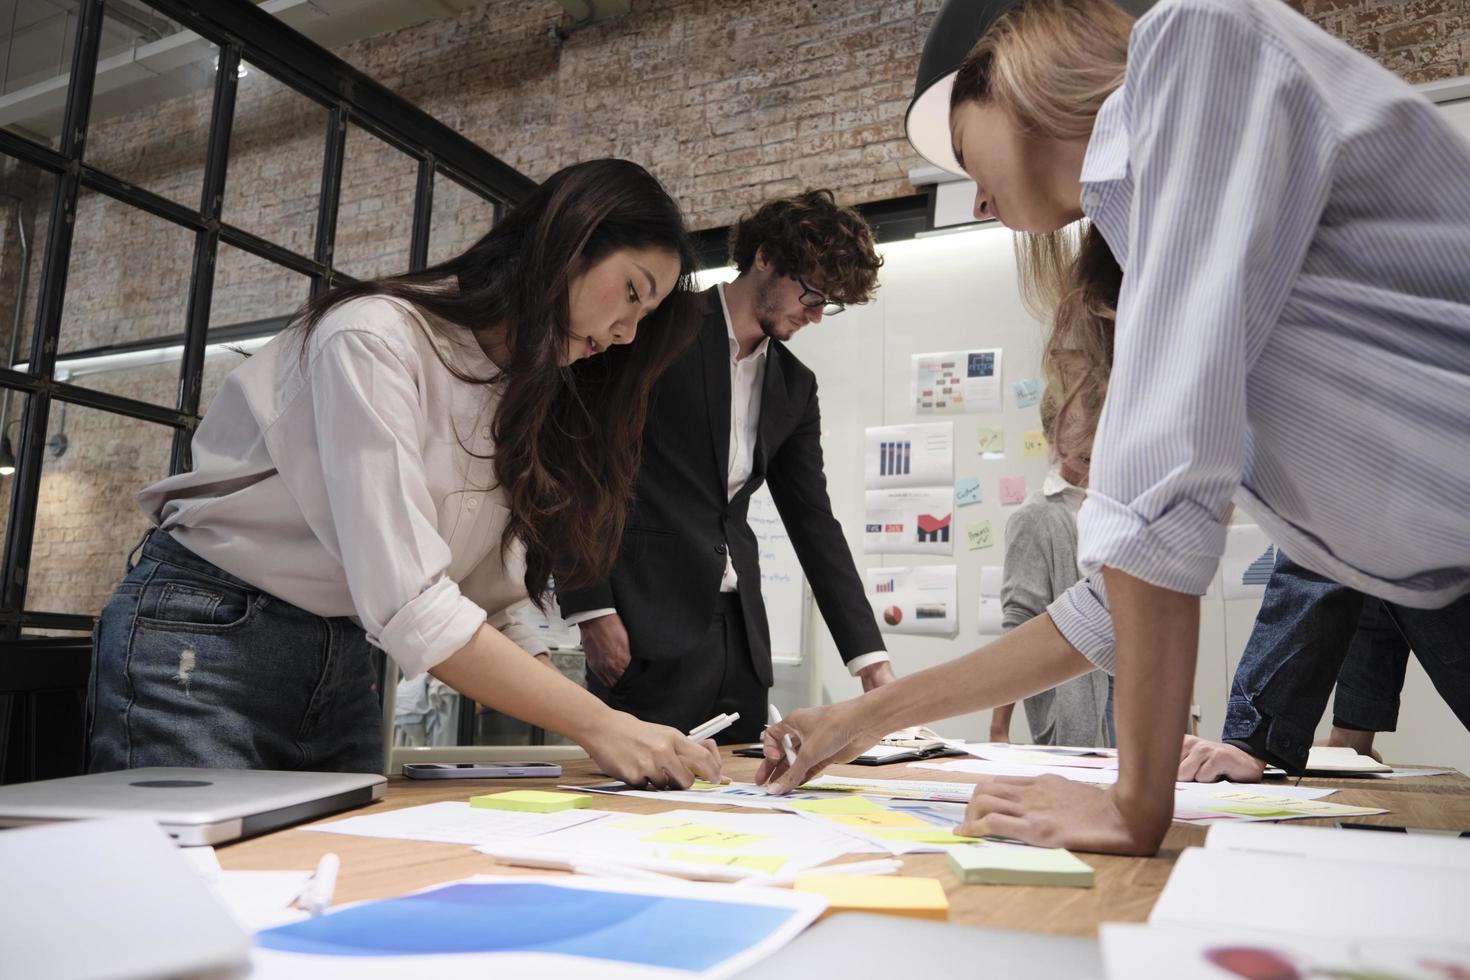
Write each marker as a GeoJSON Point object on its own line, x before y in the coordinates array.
{"type": "Point", "coordinates": [348, 483]}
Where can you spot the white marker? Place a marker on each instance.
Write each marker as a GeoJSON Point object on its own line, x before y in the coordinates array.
{"type": "Point", "coordinates": [774, 718]}
{"type": "Point", "coordinates": [316, 897]}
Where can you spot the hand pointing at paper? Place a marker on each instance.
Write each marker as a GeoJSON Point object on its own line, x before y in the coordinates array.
{"type": "Point", "coordinates": [821, 737]}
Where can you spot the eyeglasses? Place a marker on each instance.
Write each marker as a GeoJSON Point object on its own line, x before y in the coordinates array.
{"type": "Point", "coordinates": [812, 299]}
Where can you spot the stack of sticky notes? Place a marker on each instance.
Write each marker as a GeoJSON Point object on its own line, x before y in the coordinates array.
{"type": "Point", "coordinates": [922, 898]}
{"type": "Point", "coordinates": [988, 863]}
{"type": "Point", "coordinates": [531, 801]}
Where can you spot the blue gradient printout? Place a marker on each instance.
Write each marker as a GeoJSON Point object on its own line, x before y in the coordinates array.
{"type": "Point", "coordinates": [652, 930]}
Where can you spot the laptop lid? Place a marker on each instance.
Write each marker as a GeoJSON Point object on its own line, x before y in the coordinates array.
{"type": "Point", "coordinates": [858, 945]}
{"type": "Point", "coordinates": [194, 806]}
{"type": "Point", "coordinates": [109, 900]}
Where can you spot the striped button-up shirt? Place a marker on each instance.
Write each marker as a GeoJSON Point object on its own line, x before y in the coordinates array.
{"type": "Point", "coordinates": [1293, 332]}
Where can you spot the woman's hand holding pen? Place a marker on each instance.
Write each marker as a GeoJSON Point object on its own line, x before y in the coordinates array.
{"type": "Point", "coordinates": [821, 737]}
{"type": "Point", "coordinates": [639, 753]}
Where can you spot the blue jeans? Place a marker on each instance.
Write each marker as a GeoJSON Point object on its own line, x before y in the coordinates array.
{"type": "Point", "coordinates": [1312, 633]}
{"type": "Point", "coordinates": [194, 667]}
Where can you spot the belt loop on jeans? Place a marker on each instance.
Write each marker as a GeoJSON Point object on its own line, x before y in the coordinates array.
{"type": "Point", "coordinates": [133, 555]}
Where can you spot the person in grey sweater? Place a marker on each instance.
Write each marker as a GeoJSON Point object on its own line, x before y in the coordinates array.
{"type": "Point", "coordinates": [1041, 564]}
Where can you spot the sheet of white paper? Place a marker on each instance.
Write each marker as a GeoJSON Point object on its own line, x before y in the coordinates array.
{"type": "Point", "coordinates": [991, 579]}
{"type": "Point", "coordinates": [451, 822]}
{"type": "Point", "coordinates": [261, 899]}
{"type": "Point", "coordinates": [909, 520]}
{"type": "Point", "coordinates": [991, 621]}
{"type": "Point", "coordinates": [1072, 757]}
{"type": "Point", "coordinates": [363, 959]}
{"type": "Point", "coordinates": [1340, 758]}
{"type": "Point", "coordinates": [1401, 773]}
{"type": "Point", "coordinates": [1140, 952]}
{"type": "Point", "coordinates": [1309, 897]}
{"type": "Point", "coordinates": [918, 600]}
{"type": "Point", "coordinates": [920, 455]}
{"type": "Point", "coordinates": [1334, 844]}
{"type": "Point", "coordinates": [1246, 565]}
{"type": "Point", "coordinates": [954, 382]}
{"type": "Point", "coordinates": [685, 835]}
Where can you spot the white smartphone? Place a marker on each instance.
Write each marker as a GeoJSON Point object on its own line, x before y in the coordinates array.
{"type": "Point", "coordinates": [476, 770]}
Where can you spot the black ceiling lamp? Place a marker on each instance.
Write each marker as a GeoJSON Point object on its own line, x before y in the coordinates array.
{"type": "Point", "coordinates": [957, 26]}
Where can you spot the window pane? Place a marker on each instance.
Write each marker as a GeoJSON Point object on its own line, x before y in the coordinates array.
{"type": "Point", "coordinates": [87, 520]}
{"type": "Point", "coordinates": [38, 39]}
{"type": "Point", "coordinates": [375, 212]}
{"type": "Point", "coordinates": [460, 218]}
{"type": "Point", "coordinates": [128, 284]}
{"type": "Point", "coordinates": [25, 215]}
{"type": "Point", "coordinates": [152, 102]}
{"type": "Point", "coordinates": [248, 288]}
{"type": "Point", "coordinates": [274, 182]}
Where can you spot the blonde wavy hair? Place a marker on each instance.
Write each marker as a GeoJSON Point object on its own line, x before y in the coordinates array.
{"type": "Point", "coordinates": [1050, 65]}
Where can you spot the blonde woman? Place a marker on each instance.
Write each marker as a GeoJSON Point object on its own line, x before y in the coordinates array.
{"type": "Point", "coordinates": [1292, 223]}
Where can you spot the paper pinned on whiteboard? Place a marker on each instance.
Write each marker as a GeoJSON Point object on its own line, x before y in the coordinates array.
{"type": "Point", "coordinates": [992, 616]}
{"type": "Point", "coordinates": [919, 455]}
{"type": "Point", "coordinates": [991, 578]}
{"type": "Point", "coordinates": [917, 520]}
{"type": "Point", "coordinates": [917, 600]}
{"type": "Point", "coordinates": [952, 382]}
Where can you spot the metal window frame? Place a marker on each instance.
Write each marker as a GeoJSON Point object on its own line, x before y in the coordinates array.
{"type": "Point", "coordinates": [242, 32]}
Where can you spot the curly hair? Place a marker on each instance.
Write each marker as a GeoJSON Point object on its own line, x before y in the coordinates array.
{"type": "Point", "coordinates": [811, 236]}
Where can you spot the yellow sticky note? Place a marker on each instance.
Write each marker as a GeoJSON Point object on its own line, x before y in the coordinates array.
{"type": "Point", "coordinates": [980, 535]}
{"type": "Point", "coordinates": [841, 804]}
{"type": "Point", "coordinates": [989, 863]}
{"type": "Point", "coordinates": [703, 835]}
{"type": "Point", "coordinates": [921, 898]}
{"type": "Point", "coordinates": [992, 440]}
{"type": "Point", "coordinates": [531, 801]}
{"type": "Point", "coordinates": [926, 835]}
{"type": "Point", "coordinates": [764, 863]}
{"type": "Point", "coordinates": [1034, 443]}
{"type": "Point", "coordinates": [884, 818]}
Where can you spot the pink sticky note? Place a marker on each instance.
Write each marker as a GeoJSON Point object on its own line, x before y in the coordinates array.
{"type": "Point", "coordinates": [1012, 489]}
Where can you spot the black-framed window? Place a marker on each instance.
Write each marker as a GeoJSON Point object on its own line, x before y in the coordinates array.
{"type": "Point", "coordinates": [136, 243]}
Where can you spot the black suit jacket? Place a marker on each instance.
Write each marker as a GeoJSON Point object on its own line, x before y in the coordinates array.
{"type": "Point", "coordinates": [672, 557]}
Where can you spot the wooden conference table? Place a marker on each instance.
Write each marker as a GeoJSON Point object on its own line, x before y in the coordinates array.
{"type": "Point", "coordinates": [1125, 887]}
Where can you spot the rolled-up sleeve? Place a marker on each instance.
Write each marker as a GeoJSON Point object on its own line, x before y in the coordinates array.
{"type": "Point", "coordinates": [1230, 152]}
{"type": "Point", "coordinates": [1082, 616]}
{"type": "Point", "coordinates": [379, 516]}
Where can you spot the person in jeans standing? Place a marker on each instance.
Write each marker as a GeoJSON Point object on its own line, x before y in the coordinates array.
{"type": "Point", "coordinates": [387, 473]}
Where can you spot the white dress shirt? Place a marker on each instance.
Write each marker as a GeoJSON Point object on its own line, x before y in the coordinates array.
{"type": "Point", "coordinates": [1293, 331]}
{"type": "Point", "coordinates": [348, 483]}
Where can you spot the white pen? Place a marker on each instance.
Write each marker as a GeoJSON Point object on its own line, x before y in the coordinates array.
{"type": "Point", "coordinates": [316, 897]}
{"type": "Point", "coordinates": [774, 717]}
{"type": "Point", "coordinates": [714, 726]}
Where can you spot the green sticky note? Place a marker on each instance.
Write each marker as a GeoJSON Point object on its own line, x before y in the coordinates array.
{"type": "Point", "coordinates": [1014, 864]}
{"type": "Point", "coordinates": [531, 801]}
{"type": "Point", "coordinates": [703, 835]}
{"type": "Point", "coordinates": [764, 863]}
{"type": "Point", "coordinates": [928, 835]}
{"type": "Point", "coordinates": [847, 805]}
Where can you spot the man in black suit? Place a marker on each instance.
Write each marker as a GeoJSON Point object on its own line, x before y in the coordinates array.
{"type": "Point", "coordinates": [678, 633]}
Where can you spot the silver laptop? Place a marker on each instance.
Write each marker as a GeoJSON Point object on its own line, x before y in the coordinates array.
{"type": "Point", "coordinates": [857, 945]}
{"type": "Point", "coordinates": [194, 806]}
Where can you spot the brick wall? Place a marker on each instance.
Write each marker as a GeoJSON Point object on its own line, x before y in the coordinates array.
{"type": "Point", "coordinates": [728, 103]}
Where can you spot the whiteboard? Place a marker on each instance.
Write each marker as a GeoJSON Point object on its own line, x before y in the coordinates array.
{"type": "Point", "coordinates": [781, 580]}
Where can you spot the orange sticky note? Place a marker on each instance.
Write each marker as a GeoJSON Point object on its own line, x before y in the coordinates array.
{"type": "Point", "coordinates": [920, 898]}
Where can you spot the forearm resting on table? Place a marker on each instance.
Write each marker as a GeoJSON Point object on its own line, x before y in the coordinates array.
{"type": "Point", "coordinates": [1030, 658]}
{"type": "Point", "coordinates": [1157, 640]}
{"type": "Point", "coordinates": [492, 670]}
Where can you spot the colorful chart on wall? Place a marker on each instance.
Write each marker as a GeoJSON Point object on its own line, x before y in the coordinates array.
{"type": "Point", "coordinates": [956, 382]}
{"type": "Point", "coordinates": [915, 520]}
{"type": "Point", "coordinates": [916, 600]}
{"type": "Point", "coordinates": [908, 455]}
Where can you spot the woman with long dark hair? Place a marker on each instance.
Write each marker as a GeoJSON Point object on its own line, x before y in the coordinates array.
{"type": "Point", "coordinates": [397, 469]}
